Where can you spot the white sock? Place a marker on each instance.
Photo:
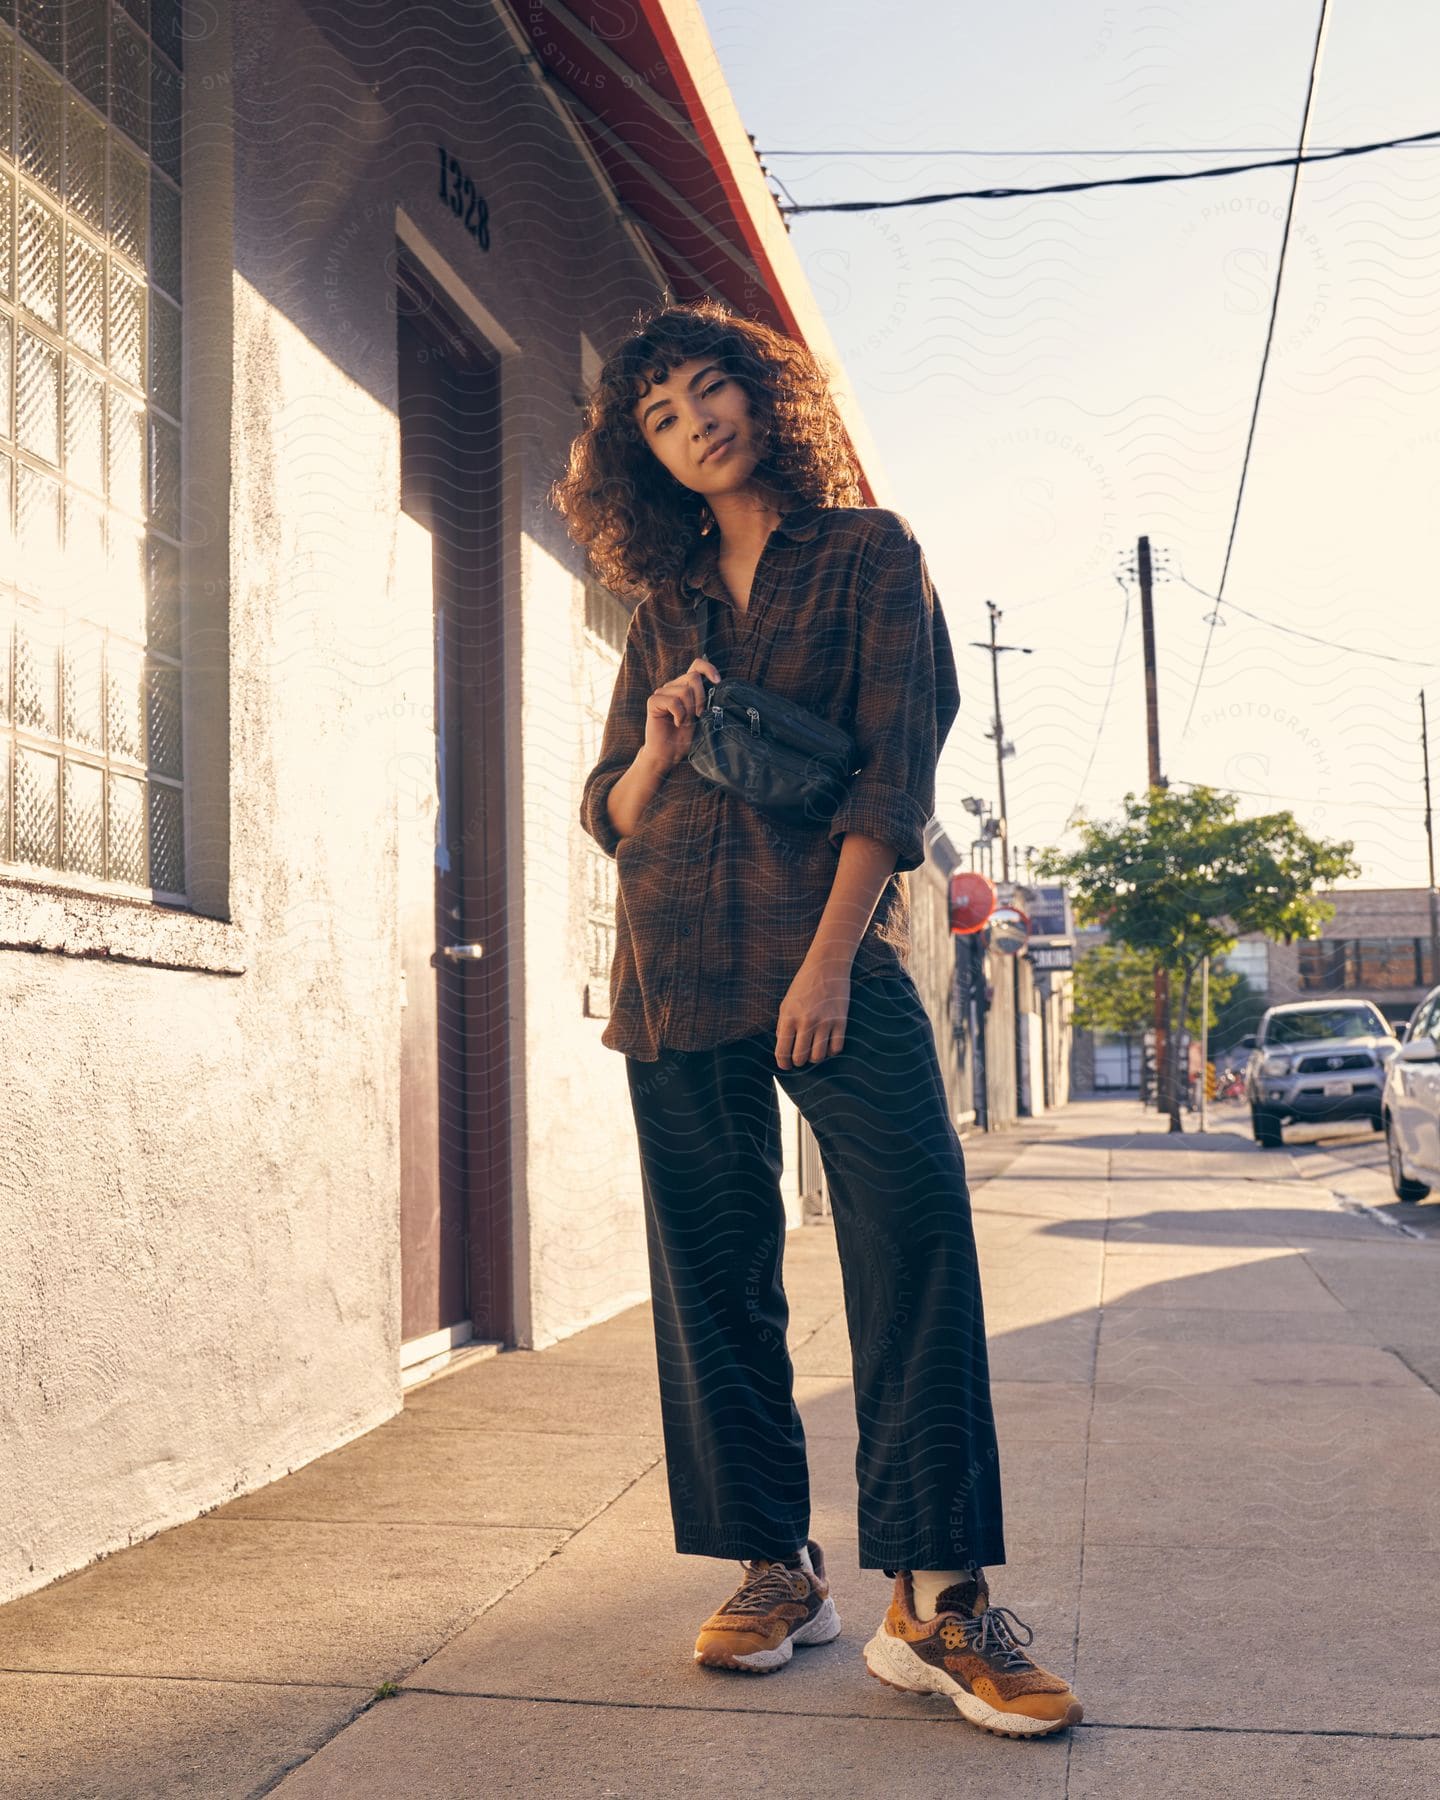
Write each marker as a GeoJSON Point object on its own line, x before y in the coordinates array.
{"type": "Point", "coordinates": [929, 1584]}
{"type": "Point", "coordinates": [803, 1556]}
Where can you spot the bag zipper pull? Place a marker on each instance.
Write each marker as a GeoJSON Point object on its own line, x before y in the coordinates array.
{"type": "Point", "coordinates": [754, 718]}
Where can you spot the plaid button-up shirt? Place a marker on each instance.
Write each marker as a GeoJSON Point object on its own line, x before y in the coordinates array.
{"type": "Point", "coordinates": [718, 904]}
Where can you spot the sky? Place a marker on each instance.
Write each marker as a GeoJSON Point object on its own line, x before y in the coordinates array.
{"type": "Point", "coordinates": [1046, 379]}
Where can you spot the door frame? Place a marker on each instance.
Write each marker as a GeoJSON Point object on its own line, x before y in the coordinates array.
{"type": "Point", "coordinates": [495, 1199]}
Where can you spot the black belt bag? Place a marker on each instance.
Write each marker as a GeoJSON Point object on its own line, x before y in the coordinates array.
{"type": "Point", "coordinates": [782, 758]}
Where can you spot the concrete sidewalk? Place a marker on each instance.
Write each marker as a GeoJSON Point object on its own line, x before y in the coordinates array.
{"type": "Point", "coordinates": [1222, 1478]}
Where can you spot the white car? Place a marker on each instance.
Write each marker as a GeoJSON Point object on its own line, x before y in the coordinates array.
{"type": "Point", "coordinates": [1410, 1105]}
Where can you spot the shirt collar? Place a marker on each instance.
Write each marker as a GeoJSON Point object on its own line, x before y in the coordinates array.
{"type": "Point", "coordinates": [799, 525]}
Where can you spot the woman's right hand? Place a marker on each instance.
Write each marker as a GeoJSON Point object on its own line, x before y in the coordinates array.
{"type": "Point", "coordinates": [671, 712]}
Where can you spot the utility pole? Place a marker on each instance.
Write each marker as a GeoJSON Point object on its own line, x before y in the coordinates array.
{"type": "Point", "coordinates": [1147, 628]}
{"type": "Point", "coordinates": [1205, 1044]}
{"type": "Point", "coordinates": [1156, 780]}
{"type": "Point", "coordinates": [1430, 848]}
{"type": "Point", "coordinates": [995, 651]}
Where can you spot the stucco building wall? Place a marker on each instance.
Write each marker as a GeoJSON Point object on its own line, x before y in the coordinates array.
{"type": "Point", "coordinates": [202, 1162]}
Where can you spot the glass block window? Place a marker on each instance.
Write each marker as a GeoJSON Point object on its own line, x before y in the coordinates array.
{"type": "Point", "coordinates": [91, 749]}
{"type": "Point", "coordinates": [606, 622]}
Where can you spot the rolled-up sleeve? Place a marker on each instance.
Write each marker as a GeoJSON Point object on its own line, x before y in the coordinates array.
{"type": "Point", "coordinates": [623, 736]}
{"type": "Point", "coordinates": [906, 699]}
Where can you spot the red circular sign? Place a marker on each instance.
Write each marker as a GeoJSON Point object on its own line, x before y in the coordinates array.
{"type": "Point", "coordinates": [972, 900]}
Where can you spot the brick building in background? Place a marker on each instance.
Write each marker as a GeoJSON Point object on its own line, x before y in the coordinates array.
{"type": "Point", "coordinates": [1377, 947]}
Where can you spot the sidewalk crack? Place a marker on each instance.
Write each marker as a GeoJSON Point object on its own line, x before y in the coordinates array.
{"type": "Point", "coordinates": [1406, 1363]}
{"type": "Point", "coordinates": [461, 1627]}
{"type": "Point", "coordinates": [941, 1715]}
{"type": "Point", "coordinates": [1089, 1430]}
{"type": "Point", "coordinates": [830, 1318]}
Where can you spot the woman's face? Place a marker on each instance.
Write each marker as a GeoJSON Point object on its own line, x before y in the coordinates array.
{"type": "Point", "coordinates": [698, 423]}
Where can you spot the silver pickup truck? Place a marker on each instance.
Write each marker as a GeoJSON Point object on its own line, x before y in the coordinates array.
{"type": "Point", "coordinates": [1316, 1061]}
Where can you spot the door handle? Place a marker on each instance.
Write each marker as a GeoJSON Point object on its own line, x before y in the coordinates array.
{"type": "Point", "coordinates": [463, 952]}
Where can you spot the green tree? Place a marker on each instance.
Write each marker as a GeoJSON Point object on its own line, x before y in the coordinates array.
{"type": "Point", "coordinates": [1180, 876]}
{"type": "Point", "coordinates": [1239, 1012]}
{"type": "Point", "coordinates": [1115, 991]}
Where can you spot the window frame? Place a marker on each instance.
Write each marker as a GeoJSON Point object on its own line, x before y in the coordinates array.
{"type": "Point", "coordinates": [97, 717]}
{"type": "Point", "coordinates": [58, 911]}
{"type": "Point", "coordinates": [604, 619]}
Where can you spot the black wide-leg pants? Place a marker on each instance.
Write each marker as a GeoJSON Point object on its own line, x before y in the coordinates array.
{"type": "Point", "coordinates": [708, 1123]}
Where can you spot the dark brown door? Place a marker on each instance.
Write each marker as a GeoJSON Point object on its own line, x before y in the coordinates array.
{"type": "Point", "coordinates": [454, 1106]}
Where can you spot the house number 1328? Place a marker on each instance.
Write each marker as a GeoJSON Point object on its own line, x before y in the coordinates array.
{"type": "Point", "coordinates": [465, 200]}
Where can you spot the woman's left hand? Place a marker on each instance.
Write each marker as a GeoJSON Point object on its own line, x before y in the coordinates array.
{"type": "Point", "coordinates": [812, 1018]}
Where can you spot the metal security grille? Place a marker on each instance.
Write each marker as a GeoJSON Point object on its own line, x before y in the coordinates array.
{"type": "Point", "coordinates": [91, 756]}
{"type": "Point", "coordinates": [606, 622]}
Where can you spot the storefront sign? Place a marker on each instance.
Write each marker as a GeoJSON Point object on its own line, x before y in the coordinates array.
{"type": "Point", "coordinates": [1049, 912]}
{"type": "Point", "coordinates": [1052, 956]}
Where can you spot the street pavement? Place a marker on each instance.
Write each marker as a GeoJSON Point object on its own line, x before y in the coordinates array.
{"type": "Point", "coordinates": [1349, 1160]}
{"type": "Point", "coordinates": [1215, 1372]}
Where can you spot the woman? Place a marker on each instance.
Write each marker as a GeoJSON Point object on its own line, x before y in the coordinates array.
{"type": "Point", "coordinates": [713, 462]}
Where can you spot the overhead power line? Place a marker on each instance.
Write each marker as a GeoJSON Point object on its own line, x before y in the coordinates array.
{"type": "Point", "coordinates": [1280, 150]}
{"type": "Point", "coordinates": [1264, 356]}
{"type": "Point", "coordinates": [1409, 662]}
{"type": "Point", "coordinates": [1109, 696]}
{"type": "Point", "coordinates": [1224, 787]}
{"type": "Point", "coordinates": [1112, 181]}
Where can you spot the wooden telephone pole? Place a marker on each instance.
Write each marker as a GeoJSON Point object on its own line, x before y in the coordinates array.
{"type": "Point", "coordinates": [1156, 780]}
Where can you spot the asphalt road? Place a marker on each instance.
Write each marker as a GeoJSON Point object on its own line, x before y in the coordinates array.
{"type": "Point", "coordinates": [1346, 1158]}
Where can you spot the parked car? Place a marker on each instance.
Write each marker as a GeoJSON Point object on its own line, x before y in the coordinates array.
{"type": "Point", "coordinates": [1411, 1104]}
{"type": "Point", "coordinates": [1316, 1061]}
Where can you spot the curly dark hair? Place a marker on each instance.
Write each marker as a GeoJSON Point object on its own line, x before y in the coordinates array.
{"type": "Point", "coordinates": [635, 520]}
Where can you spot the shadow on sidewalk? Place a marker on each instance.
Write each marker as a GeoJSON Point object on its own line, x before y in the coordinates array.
{"type": "Point", "coordinates": [1187, 1434]}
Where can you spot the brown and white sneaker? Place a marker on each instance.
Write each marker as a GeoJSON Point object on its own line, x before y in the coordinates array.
{"type": "Point", "coordinates": [777, 1606]}
{"type": "Point", "coordinates": [973, 1654]}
